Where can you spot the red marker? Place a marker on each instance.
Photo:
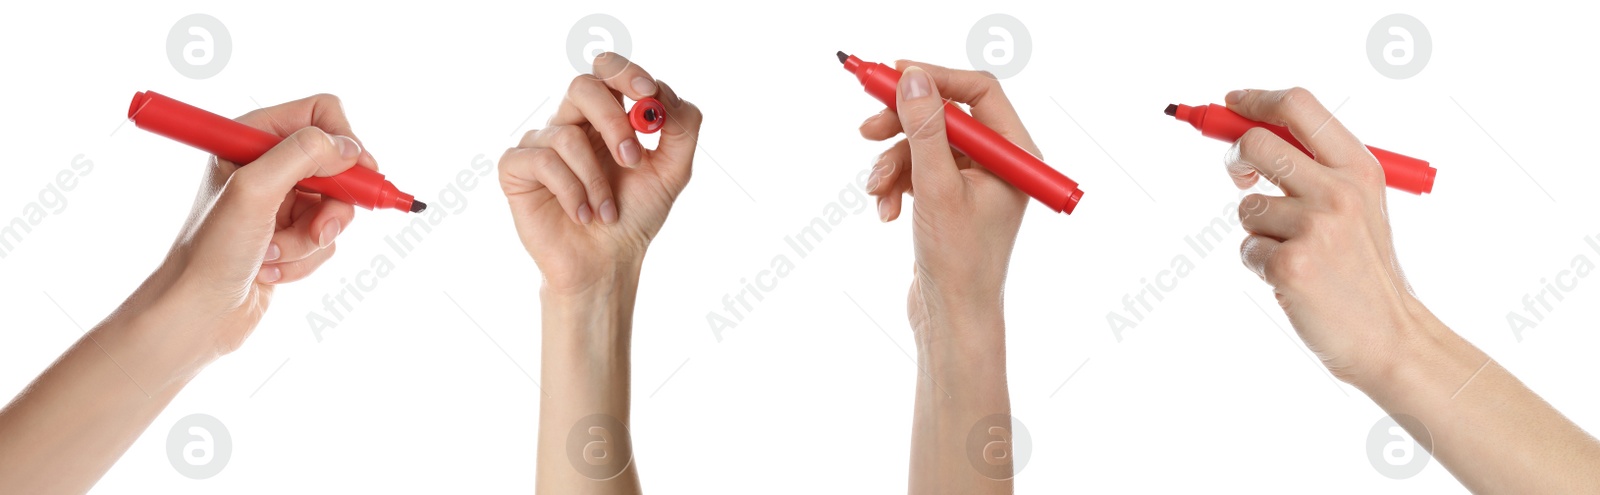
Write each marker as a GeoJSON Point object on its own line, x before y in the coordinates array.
{"type": "Point", "coordinates": [978, 142]}
{"type": "Point", "coordinates": [647, 115]}
{"type": "Point", "coordinates": [1216, 121]}
{"type": "Point", "coordinates": [242, 144]}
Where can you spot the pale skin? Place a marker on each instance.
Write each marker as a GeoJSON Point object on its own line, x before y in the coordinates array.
{"type": "Point", "coordinates": [249, 230]}
{"type": "Point", "coordinates": [1326, 250]}
{"type": "Point", "coordinates": [964, 225]}
{"type": "Point", "coordinates": [587, 199]}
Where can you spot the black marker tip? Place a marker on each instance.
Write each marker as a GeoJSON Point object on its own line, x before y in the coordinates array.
{"type": "Point", "coordinates": [418, 206]}
{"type": "Point", "coordinates": [1172, 110]}
{"type": "Point", "coordinates": [843, 57]}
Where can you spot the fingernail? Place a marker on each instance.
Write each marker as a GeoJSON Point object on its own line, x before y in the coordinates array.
{"type": "Point", "coordinates": [629, 149]}
{"type": "Point", "coordinates": [348, 148]}
{"type": "Point", "coordinates": [329, 231]}
{"type": "Point", "coordinates": [883, 209]}
{"type": "Point", "coordinates": [874, 178]}
{"type": "Point", "coordinates": [608, 212]}
{"type": "Point", "coordinates": [272, 252]}
{"type": "Point", "coordinates": [917, 84]}
{"type": "Point", "coordinates": [269, 274]}
{"type": "Point", "coordinates": [585, 214]}
{"type": "Point", "coordinates": [644, 86]}
{"type": "Point", "coordinates": [1235, 96]}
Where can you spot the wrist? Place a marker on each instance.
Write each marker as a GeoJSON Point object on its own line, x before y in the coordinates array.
{"type": "Point", "coordinates": [1424, 358]}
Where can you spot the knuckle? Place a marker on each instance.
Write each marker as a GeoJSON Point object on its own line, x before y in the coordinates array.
{"type": "Point", "coordinates": [1344, 199]}
{"type": "Point", "coordinates": [581, 82]}
{"type": "Point", "coordinates": [1298, 99]}
{"type": "Point", "coordinates": [326, 98]}
{"type": "Point", "coordinates": [567, 137]}
{"type": "Point", "coordinates": [1290, 265]}
{"type": "Point", "coordinates": [1255, 142]}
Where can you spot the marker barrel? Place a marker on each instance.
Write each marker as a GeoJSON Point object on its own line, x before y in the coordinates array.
{"type": "Point", "coordinates": [242, 144]}
{"type": "Point", "coordinates": [980, 143]}
{"type": "Point", "coordinates": [1217, 122]}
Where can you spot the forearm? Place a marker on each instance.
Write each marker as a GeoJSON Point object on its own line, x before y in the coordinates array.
{"type": "Point", "coordinates": [75, 420]}
{"type": "Point", "coordinates": [1492, 432]}
{"type": "Point", "coordinates": [961, 382]}
{"type": "Point", "coordinates": [584, 375]}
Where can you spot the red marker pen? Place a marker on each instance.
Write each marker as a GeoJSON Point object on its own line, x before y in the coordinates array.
{"type": "Point", "coordinates": [1216, 121]}
{"type": "Point", "coordinates": [978, 142]}
{"type": "Point", "coordinates": [242, 144]}
{"type": "Point", "coordinates": [647, 115]}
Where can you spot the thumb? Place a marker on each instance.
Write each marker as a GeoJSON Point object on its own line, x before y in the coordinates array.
{"type": "Point", "coordinates": [242, 220]}
{"type": "Point", "coordinates": [921, 109]}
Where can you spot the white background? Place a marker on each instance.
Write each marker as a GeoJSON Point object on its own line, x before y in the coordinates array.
{"type": "Point", "coordinates": [807, 394]}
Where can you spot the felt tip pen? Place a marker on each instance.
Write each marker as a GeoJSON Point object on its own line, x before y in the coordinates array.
{"type": "Point", "coordinates": [1216, 121]}
{"type": "Point", "coordinates": [242, 144]}
{"type": "Point", "coordinates": [980, 143]}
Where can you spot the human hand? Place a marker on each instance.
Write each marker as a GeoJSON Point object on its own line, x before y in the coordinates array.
{"type": "Point", "coordinates": [1325, 246]}
{"type": "Point", "coordinates": [965, 219]}
{"type": "Point", "coordinates": [586, 197]}
{"type": "Point", "coordinates": [250, 229]}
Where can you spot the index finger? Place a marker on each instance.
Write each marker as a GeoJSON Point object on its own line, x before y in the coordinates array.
{"type": "Point", "coordinates": [1310, 122]}
{"type": "Point", "coordinates": [618, 74]}
{"type": "Point", "coordinates": [323, 111]}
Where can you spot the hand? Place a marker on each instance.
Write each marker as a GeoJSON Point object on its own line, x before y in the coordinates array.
{"type": "Point", "coordinates": [965, 219]}
{"type": "Point", "coordinates": [1325, 246]}
{"type": "Point", "coordinates": [585, 196]}
{"type": "Point", "coordinates": [250, 230]}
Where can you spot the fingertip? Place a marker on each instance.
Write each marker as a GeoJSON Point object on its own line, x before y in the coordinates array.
{"type": "Point", "coordinates": [269, 274]}
{"type": "Point", "coordinates": [608, 212]}
{"type": "Point", "coordinates": [585, 214]}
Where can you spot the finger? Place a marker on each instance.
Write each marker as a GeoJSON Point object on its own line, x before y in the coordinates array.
{"type": "Point", "coordinates": [525, 170]}
{"type": "Point", "coordinates": [239, 228]}
{"type": "Point", "coordinates": [310, 231]}
{"type": "Point", "coordinates": [323, 111]}
{"type": "Point", "coordinates": [576, 152]}
{"type": "Point", "coordinates": [880, 126]}
{"type": "Point", "coordinates": [1260, 153]}
{"type": "Point", "coordinates": [1276, 217]}
{"type": "Point", "coordinates": [674, 153]}
{"type": "Point", "coordinates": [888, 167]}
{"type": "Point", "coordinates": [624, 76]}
{"type": "Point", "coordinates": [588, 101]}
{"type": "Point", "coordinates": [889, 207]}
{"type": "Point", "coordinates": [982, 93]}
{"type": "Point", "coordinates": [1310, 123]}
{"type": "Point", "coordinates": [283, 273]}
{"type": "Point", "coordinates": [1257, 252]}
{"type": "Point", "coordinates": [921, 111]}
